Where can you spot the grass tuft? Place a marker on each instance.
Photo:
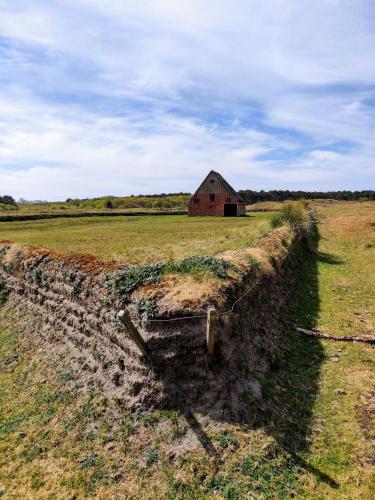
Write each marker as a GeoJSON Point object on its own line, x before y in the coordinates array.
{"type": "Point", "coordinates": [293, 213]}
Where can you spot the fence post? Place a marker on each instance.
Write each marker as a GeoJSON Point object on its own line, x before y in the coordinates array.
{"type": "Point", "coordinates": [133, 332]}
{"type": "Point", "coordinates": [211, 332]}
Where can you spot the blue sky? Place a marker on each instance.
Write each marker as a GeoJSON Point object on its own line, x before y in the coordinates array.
{"type": "Point", "coordinates": [126, 97]}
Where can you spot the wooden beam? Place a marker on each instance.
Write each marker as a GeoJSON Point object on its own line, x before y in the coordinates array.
{"type": "Point", "coordinates": [133, 332]}
{"type": "Point", "coordinates": [211, 334]}
{"type": "Point", "coordinates": [321, 335]}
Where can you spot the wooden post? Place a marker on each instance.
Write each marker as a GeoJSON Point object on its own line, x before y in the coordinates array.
{"type": "Point", "coordinates": [211, 332]}
{"type": "Point", "coordinates": [133, 332]}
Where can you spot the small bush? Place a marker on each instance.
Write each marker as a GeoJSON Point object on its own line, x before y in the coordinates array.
{"type": "Point", "coordinates": [8, 200]}
{"type": "Point", "coordinates": [292, 213]}
{"type": "Point", "coordinates": [146, 308]}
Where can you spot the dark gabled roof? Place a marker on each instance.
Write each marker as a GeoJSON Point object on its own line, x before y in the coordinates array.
{"type": "Point", "coordinates": [223, 182]}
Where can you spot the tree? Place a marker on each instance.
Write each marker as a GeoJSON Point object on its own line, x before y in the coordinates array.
{"type": "Point", "coordinates": [8, 200]}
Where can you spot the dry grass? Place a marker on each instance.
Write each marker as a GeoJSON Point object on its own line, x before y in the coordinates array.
{"type": "Point", "coordinates": [264, 206]}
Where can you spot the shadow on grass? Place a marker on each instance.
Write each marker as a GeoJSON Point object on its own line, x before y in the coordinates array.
{"type": "Point", "coordinates": [290, 388]}
{"type": "Point", "coordinates": [329, 258]}
{"type": "Point", "coordinates": [198, 430]}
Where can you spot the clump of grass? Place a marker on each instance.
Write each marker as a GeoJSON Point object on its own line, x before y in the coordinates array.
{"type": "Point", "coordinates": [127, 280]}
{"type": "Point", "coordinates": [255, 264]}
{"type": "Point", "coordinates": [3, 251]}
{"type": "Point", "coordinates": [293, 213]}
{"type": "Point", "coordinates": [227, 440]}
{"type": "Point", "coordinates": [147, 418]}
{"type": "Point", "coordinates": [76, 279]}
{"type": "Point", "coordinates": [152, 456]}
{"type": "Point", "coordinates": [89, 461]}
{"type": "Point", "coordinates": [201, 263]}
{"type": "Point", "coordinates": [146, 308]}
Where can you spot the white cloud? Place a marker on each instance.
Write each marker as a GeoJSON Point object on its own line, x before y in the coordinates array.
{"type": "Point", "coordinates": [124, 97]}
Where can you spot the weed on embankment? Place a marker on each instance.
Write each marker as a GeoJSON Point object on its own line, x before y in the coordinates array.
{"type": "Point", "coordinates": [127, 280]}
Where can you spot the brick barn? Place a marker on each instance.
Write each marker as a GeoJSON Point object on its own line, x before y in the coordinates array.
{"type": "Point", "coordinates": [216, 197]}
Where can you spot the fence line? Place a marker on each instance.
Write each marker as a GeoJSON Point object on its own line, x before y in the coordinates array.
{"type": "Point", "coordinates": [211, 319]}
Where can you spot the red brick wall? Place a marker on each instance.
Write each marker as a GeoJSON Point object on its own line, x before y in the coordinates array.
{"type": "Point", "coordinates": [207, 207]}
{"type": "Point", "coordinates": [216, 208]}
{"type": "Point", "coordinates": [241, 209]}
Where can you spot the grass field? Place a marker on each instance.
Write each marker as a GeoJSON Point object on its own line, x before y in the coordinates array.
{"type": "Point", "coordinates": [316, 439]}
{"type": "Point", "coordinates": [140, 238]}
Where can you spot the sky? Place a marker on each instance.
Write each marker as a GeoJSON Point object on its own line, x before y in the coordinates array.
{"type": "Point", "coordinates": [126, 96]}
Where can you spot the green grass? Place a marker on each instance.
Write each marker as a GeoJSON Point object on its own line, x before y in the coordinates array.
{"type": "Point", "coordinates": [141, 238]}
{"type": "Point", "coordinates": [314, 440]}
{"type": "Point", "coordinates": [7, 208]}
{"type": "Point", "coordinates": [179, 201]}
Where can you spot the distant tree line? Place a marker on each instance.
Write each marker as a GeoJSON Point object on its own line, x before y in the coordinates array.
{"type": "Point", "coordinates": [279, 195]}
{"type": "Point", "coordinates": [8, 200]}
{"type": "Point", "coordinates": [161, 195]}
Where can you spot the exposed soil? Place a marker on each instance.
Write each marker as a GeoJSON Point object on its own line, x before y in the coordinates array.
{"type": "Point", "coordinates": [75, 323]}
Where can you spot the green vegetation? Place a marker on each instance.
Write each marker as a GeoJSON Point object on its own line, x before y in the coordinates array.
{"type": "Point", "coordinates": [293, 213]}
{"type": "Point", "coordinates": [163, 201]}
{"type": "Point", "coordinates": [311, 437]}
{"type": "Point", "coordinates": [285, 195]}
{"type": "Point", "coordinates": [146, 308]}
{"type": "Point", "coordinates": [129, 279]}
{"type": "Point", "coordinates": [7, 201]}
{"type": "Point", "coordinates": [143, 238]}
{"type": "Point", "coordinates": [7, 208]}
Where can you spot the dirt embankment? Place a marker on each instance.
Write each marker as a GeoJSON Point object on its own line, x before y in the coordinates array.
{"type": "Point", "coordinates": [69, 305]}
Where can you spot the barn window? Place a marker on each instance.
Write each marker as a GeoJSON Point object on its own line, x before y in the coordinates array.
{"type": "Point", "coordinates": [212, 197]}
{"type": "Point", "coordinates": [212, 181]}
{"type": "Point", "coordinates": [196, 201]}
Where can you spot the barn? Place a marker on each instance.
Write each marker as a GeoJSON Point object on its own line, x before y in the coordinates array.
{"type": "Point", "coordinates": [217, 198]}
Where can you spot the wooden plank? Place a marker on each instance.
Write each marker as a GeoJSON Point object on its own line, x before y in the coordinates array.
{"type": "Point", "coordinates": [133, 332]}
{"type": "Point", "coordinates": [322, 335]}
{"type": "Point", "coordinates": [211, 334]}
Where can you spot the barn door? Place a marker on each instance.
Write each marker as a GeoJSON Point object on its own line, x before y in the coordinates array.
{"type": "Point", "coordinates": [230, 210]}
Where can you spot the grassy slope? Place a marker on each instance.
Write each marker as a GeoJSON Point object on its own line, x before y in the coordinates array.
{"type": "Point", "coordinates": [124, 202]}
{"type": "Point", "coordinates": [58, 440]}
{"type": "Point", "coordinates": [139, 239]}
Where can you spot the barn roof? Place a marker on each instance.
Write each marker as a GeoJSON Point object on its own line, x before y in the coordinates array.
{"type": "Point", "coordinates": [226, 186]}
